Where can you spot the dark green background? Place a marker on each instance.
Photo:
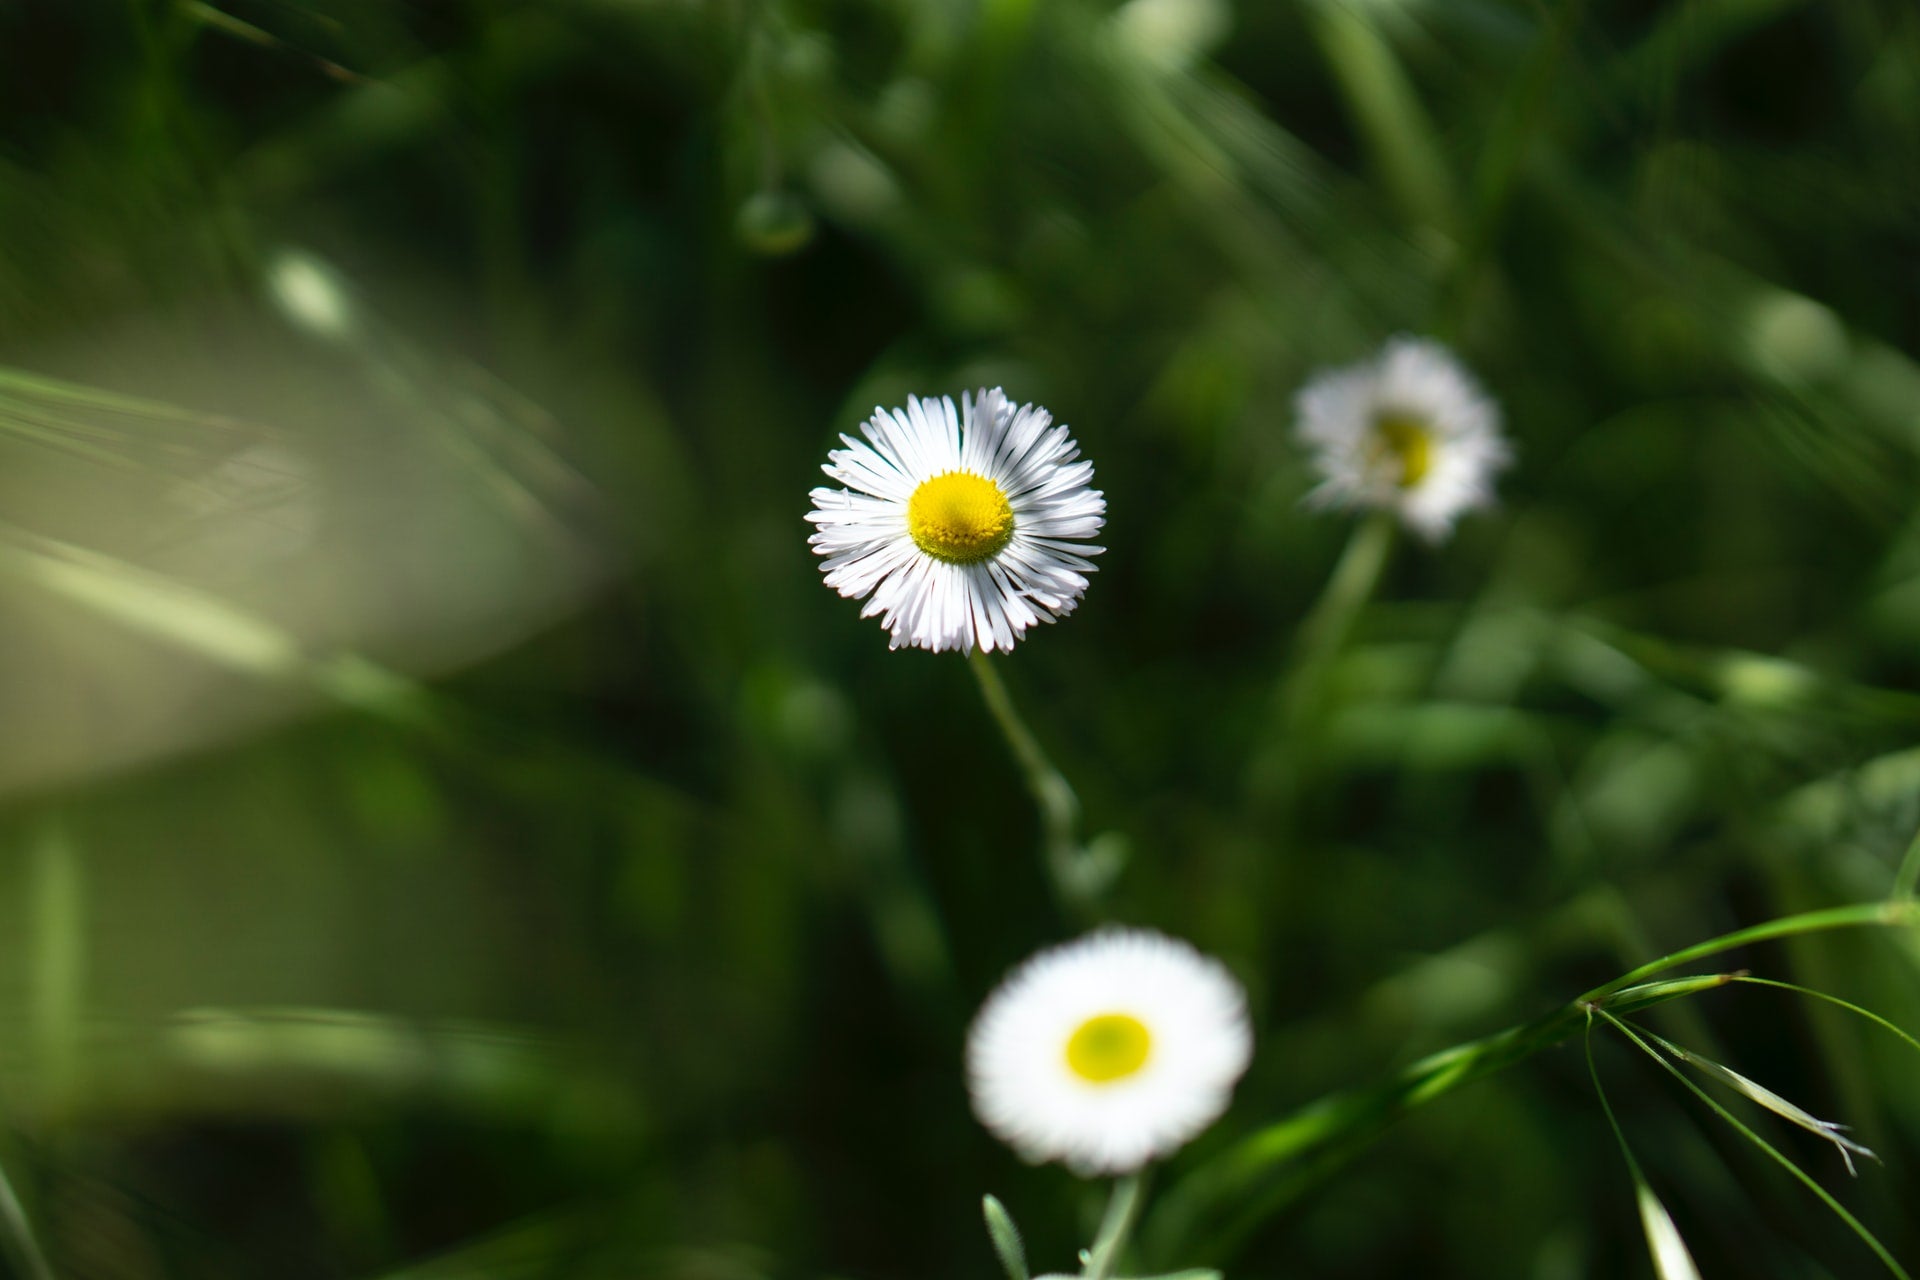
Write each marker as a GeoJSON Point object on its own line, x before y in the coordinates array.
{"type": "Point", "coordinates": [446, 829]}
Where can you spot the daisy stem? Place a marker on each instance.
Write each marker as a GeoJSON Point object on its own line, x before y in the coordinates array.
{"type": "Point", "coordinates": [1059, 806]}
{"type": "Point", "coordinates": [1122, 1211]}
{"type": "Point", "coordinates": [1349, 587]}
{"type": "Point", "coordinates": [1322, 634]}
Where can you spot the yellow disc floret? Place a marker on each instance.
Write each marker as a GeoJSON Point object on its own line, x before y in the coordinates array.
{"type": "Point", "coordinates": [1109, 1047]}
{"type": "Point", "coordinates": [960, 518]}
{"type": "Point", "coordinates": [1404, 444]}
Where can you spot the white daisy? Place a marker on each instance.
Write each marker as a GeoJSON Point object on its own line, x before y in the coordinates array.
{"type": "Point", "coordinates": [965, 528]}
{"type": "Point", "coordinates": [1409, 431]}
{"type": "Point", "coordinates": [1108, 1051]}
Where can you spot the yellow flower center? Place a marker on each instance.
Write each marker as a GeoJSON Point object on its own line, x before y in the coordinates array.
{"type": "Point", "coordinates": [960, 518]}
{"type": "Point", "coordinates": [1404, 444]}
{"type": "Point", "coordinates": [1108, 1047]}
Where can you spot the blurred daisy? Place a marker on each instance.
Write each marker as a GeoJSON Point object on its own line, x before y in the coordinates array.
{"type": "Point", "coordinates": [1109, 1051]}
{"type": "Point", "coordinates": [1408, 431]}
{"type": "Point", "coordinates": [964, 527]}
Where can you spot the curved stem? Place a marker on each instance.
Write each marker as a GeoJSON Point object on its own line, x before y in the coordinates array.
{"type": "Point", "coordinates": [1059, 806]}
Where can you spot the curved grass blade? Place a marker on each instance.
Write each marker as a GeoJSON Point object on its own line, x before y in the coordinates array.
{"type": "Point", "coordinates": [199, 622]}
{"type": "Point", "coordinates": [1756, 1092]}
{"type": "Point", "coordinates": [1868, 1014]}
{"type": "Point", "coordinates": [1872, 1241]}
{"type": "Point", "coordinates": [1866, 913]}
{"type": "Point", "coordinates": [1670, 1257]}
{"type": "Point", "coordinates": [1276, 1165]}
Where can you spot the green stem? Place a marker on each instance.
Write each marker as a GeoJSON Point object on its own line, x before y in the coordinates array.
{"type": "Point", "coordinates": [1059, 806]}
{"type": "Point", "coordinates": [1322, 635]}
{"type": "Point", "coordinates": [1907, 880]}
{"type": "Point", "coordinates": [1122, 1210]}
{"type": "Point", "coordinates": [1860, 915]}
{"type": "Point", "coordinates": [1349, 587]}
{"type": "Point", "coordinates": [1272, 1168]}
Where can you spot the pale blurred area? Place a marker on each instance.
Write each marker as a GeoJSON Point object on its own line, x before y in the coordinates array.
{"type": "Point", "coordinates": [196, 540]}
{"type": "Point", "coordinates": [203, 547]}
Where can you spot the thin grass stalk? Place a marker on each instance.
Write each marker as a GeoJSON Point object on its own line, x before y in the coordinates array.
{"type": "Point", "coordinates": [1806, 1179]}
{"type": "Point", "coordinates": [1868, 1014]}
{"type": "Point", "coordinates": [1860, 915]}
{"type": "Point", "coordinates": [1670, 1256]}
{"type": "Point", "coordinates": [1322, 1136]}
{"type": "Point", "coordinates": [1387, 111]}
{"type": "Point", "coordinates": [1906, 881]}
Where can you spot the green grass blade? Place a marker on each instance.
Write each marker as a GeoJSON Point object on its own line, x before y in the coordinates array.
{"type": "Point", "coordinates": [1862, 914]}
{"type": "Point", "coordinates": [1826, 1197]}
{"type": "Point", "coordinates": [1756, 1092]}
{"type": "Point", "coordinates": [1868, 1014]}
{"type": "Point", "coordinates": [1670, 1257]}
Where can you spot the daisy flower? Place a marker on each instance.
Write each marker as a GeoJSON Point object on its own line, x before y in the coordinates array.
{"type": "Point", "coordinates": [1109, 1051]}
{"type": "Point", "coordinates": [965, 528]}
{"type": "Point", "coordinates": [1408, 431]}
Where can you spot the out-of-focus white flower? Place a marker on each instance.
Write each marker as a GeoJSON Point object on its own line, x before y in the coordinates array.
{"type": "Point", "coordinates": [965, 528]}
{"type": "Point", "coordinates": [1109, 1051]}
{"type": "Point", "coordinates": [1408, 431]}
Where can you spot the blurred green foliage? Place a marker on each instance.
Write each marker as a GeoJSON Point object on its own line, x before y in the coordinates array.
{"type": "Point", "coordinates": [446, 830]}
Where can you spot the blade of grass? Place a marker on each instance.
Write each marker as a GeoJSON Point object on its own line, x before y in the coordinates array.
{"type": "Point", "coordinates": [1386, 109]}
{"type": "Point", "coordinates": [1868, 1014]}
{"type": "Point", "coordinates": [199, 622]}
{"type": "Point", "coordinates": [1670, 1256]}
{"type": "Point", "coordinates": [1772, 1101]}
{"type": "Point", "coordinates": [1862, 914]}
{"type": "Point", "coordinates": [1907, 879]}
{"type": "Point", "coordinates": [1826, 1197]}
{"type": "Point", "coordinates": [1322, 1135]}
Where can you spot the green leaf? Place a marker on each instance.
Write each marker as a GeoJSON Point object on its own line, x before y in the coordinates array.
{"type": "Point", "coordinates": [1005, 1237]}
